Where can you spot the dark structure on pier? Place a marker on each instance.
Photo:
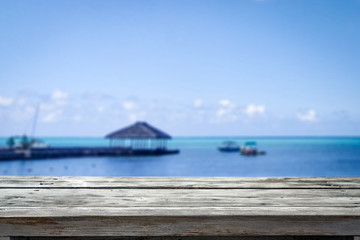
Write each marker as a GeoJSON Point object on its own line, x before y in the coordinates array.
{"type": "Point", "coordinates": [140, 135]}
{"type": "Point", "coordinates": [139, 139]}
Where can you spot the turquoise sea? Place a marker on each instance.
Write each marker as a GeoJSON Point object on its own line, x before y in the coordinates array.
{"type": "Point", "coordinates": [286, 156]}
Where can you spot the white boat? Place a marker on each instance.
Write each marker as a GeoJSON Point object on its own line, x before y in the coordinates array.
{"type": "Point", "coordinates": [250, 149]}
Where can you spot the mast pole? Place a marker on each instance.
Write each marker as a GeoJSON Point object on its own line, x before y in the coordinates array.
{"type": "Point", "coordinates": [32, 133]}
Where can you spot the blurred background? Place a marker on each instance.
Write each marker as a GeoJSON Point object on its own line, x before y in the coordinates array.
{"type": "Point", "coordinates": [283, 74]}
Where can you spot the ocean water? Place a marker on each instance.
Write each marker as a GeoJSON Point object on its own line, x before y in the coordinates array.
{"type": "Point", "coordinates": [286, 156]}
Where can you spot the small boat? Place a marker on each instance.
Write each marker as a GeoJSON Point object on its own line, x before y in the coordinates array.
{"type": "Point", "coordinates": [229, 146]}
{"type": "Point", "coordinates": [24, 142]}
{"type": "Point", "coordinates": [250, 149]}
{"type": "Point", "coordinates": [38, 143]}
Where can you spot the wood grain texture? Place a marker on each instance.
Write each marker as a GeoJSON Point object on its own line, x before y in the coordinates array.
{"type": "Point", "coordinates": [193, 238]}
{"type": "Point", "coordinates": [182, 207]}
{"type": "Point", "coordinates": [183, 183]}
{"type": "Point", "coordinates": [179, 198]}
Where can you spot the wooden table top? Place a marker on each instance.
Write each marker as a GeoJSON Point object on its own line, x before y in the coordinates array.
{"type": "Point", "coordinates": [166, 206]}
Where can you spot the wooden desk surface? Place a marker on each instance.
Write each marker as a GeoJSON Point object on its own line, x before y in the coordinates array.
{"type": "Point", "coordinates": [123, 206]}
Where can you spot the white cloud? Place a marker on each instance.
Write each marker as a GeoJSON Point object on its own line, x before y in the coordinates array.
{"type": "Point", "coordinates": [53, 116]}
{"type": "Point", "coordinates": [100, 109]}
{"type": "Point", "coordinates": [226, 107]}
{"type": "Point", "coordinates": [198, 103]}
{"type": "Point", "coordinates": [5, 101]}
{"type": "Point", "coordinates": [226, 111]}
{"type": "Point", "coordinates": [221, 112]}
{"type": "Point", "coordinates": [253, 109]}
{"type": "Point", "coordinates": [225, 102]}
{"type": "Point", "coordinates": [309, 116]}
{"type": "Point", "coordinates": [77, 118]}
{"type": "Point", "coordinates": [59, 97]}
{"type": "Point", "coordinates": [129, 105]}
{"type": "Point", "coordinates": [53, 108]}
{"type": "Point", "coordinates": [139, 116]}
{"type": "Point", "coordinates": [133, 117]}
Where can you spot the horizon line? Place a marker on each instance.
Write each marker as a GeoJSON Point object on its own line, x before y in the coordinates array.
{"type": "Point", "coordinates": [212, 136]}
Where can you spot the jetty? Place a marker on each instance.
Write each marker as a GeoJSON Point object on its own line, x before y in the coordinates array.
{"type": "Point", "coordinates": [139, 139]}
{"type": "Point", "coordinates": [143, 208]}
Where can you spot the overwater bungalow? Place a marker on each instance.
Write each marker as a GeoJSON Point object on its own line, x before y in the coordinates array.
{"type": "Point", "coordinates": [141, 136]}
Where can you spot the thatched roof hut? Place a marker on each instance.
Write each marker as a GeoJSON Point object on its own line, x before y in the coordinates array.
{"type": "Point", "coordinates": [139, 130]}
{"type": "Point", "coordinates": [139, 135]}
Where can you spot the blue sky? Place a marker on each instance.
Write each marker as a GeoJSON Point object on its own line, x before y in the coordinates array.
{"type": "Point", "coordinates": [192, 68]}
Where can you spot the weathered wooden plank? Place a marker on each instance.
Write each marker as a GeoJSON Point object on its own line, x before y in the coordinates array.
{"type": "Point", "coordinates": [178, 198]}
{"type": "Point", "coordinates": [36, 206]}
{"type": "Point", "coordinates": [281, 212]}
{"type": "Point", "coordinates": [173, 182]}
{"type": "Point", "coordinates": [193, 238]}
{"type": "Point", "coordinates": [189, 202]}
{"type": "Point", "coordinates": [203, 193]}
{"type": "Point", "coordinates": [180, 226]}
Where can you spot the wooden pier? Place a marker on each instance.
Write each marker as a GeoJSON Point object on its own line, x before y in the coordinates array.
{"type": "Point", "coordinates": [138, 139]}
{"type": "Point", "coordinates": [59, 208]}
{"type": "Point", "coordinates": [63, 152]}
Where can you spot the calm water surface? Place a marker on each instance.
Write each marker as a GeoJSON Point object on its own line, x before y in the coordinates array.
{"type": "Point", "coordinates": [200, 157]}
